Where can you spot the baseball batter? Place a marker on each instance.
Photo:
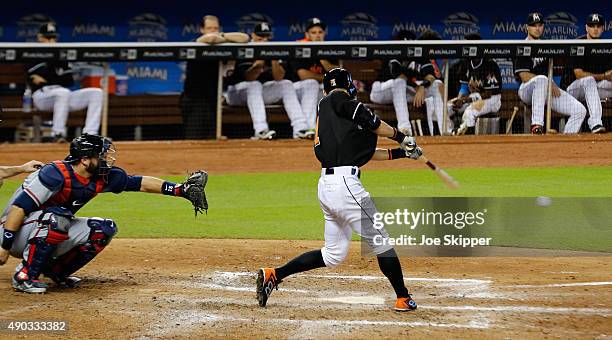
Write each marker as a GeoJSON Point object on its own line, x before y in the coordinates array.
{"type": "Point", "coordinates": [49, 82]}
{"type": "Point", "coordinates": [590, 78]}
{"type": "Point", "coordinates": [347, 132]}
{"type": "Point", "coordinates": [532, 73]}
{"type": "Point", "coordinates": [39, 223]}
{"type": "Point", "coordinates": [480, 91]}
{"type": "Point", "coordinates": [263, 82]}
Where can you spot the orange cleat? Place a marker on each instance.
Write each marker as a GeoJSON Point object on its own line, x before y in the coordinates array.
{"type": "Point", "coordinates": [266, 282]}
{"type": "Point", "coordinates": [405, 304]}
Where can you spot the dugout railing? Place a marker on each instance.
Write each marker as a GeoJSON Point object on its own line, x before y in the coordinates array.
{"type": "Point", "coordinates": [359, 57]}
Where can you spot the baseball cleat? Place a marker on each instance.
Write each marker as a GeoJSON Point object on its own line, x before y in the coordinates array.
{"type": "Point", "coordinates": [304, 134]}
{"type": "Point", "coordinates": [537, 129]}
{"type": "Point", "coordinates": [598, 129]}
{"type": "Point", "coordinates": [266, 282]}
{"type": "Point", "coordinates": [265, 134]}
{"type": "Point", "coordinates": [405, 304]}
{"type": "Point", "coordinates": [29, 286]}
{"type": "Point", "coordinates": [65, 282]}
{"type": "Point", "coordinates": [461, 130]}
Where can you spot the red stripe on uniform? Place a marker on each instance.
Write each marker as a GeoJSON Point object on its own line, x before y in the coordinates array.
{"type": "Point", "coordinates": [31, 194]}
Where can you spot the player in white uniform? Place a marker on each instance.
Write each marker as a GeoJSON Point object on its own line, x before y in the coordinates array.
{"type": "Point", "coordinates": [263, 82]}
{"type": "Point", "coordinates": [590, 78]}
{"type": "Point", "coordinates": [50, 81]}
{"type": "Point", "coordinates": [347, 134]}
{"type": "Point", "coordinates": [533, 75]}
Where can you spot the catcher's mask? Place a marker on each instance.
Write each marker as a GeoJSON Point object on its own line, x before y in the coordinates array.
{"type": "Point", "coordinates": [93, 146]}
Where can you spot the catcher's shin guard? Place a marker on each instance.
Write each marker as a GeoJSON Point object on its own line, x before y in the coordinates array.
{"type": "Point", "coordinates": [102, 232]}
{"type": "Point", "coordinates": [41, 246]}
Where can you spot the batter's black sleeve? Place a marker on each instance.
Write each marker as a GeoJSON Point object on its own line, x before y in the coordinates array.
{"type": "Point", "coordinates": [349, 108]}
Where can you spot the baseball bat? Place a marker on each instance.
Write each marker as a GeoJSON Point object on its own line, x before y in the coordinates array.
{"type": "Point", "coordinates": [446, 178]}
{"type": "Point", "coordinates": [509, 127]}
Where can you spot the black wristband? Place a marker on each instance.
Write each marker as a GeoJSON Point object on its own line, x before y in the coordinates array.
{"type": "Point", "coordinates": [398, 136]}
{"type": "Point", "coordinates": [172, 189]}
{"type": "Point", "coordinates": [397, 153]}
{"type": "Point", "coordinates": [8, 239]}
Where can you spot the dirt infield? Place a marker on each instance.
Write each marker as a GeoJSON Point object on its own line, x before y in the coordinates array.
{"type": "Point", "coordinates": [205, 288]}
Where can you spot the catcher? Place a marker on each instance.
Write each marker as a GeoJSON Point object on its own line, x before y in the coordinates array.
{"type": "Point", "coordinates": [39, 223]}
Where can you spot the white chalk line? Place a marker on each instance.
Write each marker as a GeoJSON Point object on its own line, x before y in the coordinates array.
{"type": "Point", "coordinates": [367, 278]}
{"type": "Point", "coordinates": [573, 284]}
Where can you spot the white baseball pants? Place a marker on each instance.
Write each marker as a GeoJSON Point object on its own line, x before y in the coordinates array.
{"type": "Point", "coordinates": [256, 95]}
{"type": "Point", "coordinates": [347, 206]}
{"type": "Point", "coordinates": [61, 100]}
{"type": "Point", "coordinates": [471, 114]}
{"type": "Point", "coordinates": [308, 92]}
{"type": "Point", "coordinates": [534, 93]}
{"type": "Point", "coordinates": [587, 89]}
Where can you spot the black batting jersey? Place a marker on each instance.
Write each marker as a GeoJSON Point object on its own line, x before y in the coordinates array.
{"type": "Point", "coordinates": [54, 72]}
{"type": "Point", "coordinates": [537, 66]}
{"type": "Point", "coordinates": [238, 74]}
{"type": "Point", "coordinates": [413, 69]}
{"type": "Point", "coordinates": [345, 131]}
{"type": "Point", "coordinates": [591, 64]}
{"type": "Point", "coordinates": [484, 73]}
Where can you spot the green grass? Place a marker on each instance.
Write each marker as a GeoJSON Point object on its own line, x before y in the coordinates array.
{"type": "Point", "coordinates": [285, 205]}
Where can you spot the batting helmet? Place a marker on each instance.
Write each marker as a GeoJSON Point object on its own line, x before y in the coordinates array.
{"type": "Point", "coordinates": [339, 78]}
{"type": "Point", "coordinates": [88, 146]}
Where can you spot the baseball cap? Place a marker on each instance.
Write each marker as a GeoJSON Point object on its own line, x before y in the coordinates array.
{"type": "Point", "coordinates": [263, 29]}
{"type": "Point", "coordinates": [312, 22]}
{"type": "Point", "coordinates": [535, 18]}
{"type": "Point", "coordinates": [48, 30]}
{"type": "Point", "coordinates": [595, 19]}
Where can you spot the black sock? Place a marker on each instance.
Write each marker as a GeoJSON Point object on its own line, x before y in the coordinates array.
{"type": "Point", "coordinates": [307, 261]}
{"type": "Point", "coordinates": [390, 266]}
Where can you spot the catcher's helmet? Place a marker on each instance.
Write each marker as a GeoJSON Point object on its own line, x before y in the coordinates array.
{"type": "Point", "coordinates": [86, 146]}
{"type": "Point", "coordinates": [338, 78]}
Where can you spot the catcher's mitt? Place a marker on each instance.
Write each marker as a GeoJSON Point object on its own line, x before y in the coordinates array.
{"type": "Point", "coordinates": [193, 190]}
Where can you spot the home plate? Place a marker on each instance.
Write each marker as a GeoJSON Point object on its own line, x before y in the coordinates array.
{"type": "Point", "coordinates": [362, 300]}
